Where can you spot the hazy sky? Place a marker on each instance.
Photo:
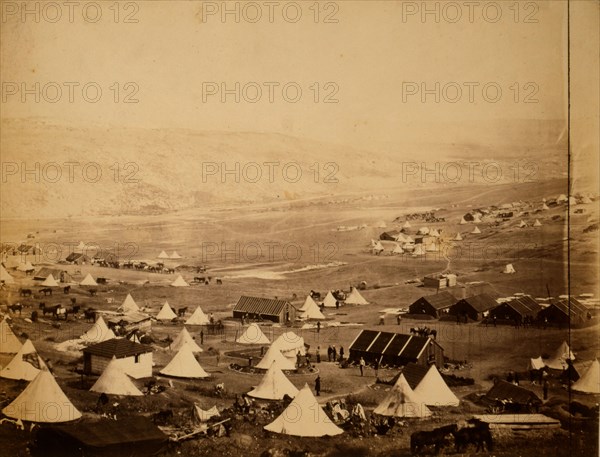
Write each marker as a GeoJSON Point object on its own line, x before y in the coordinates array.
{"type": "Point", "coordinates": [373, 57]}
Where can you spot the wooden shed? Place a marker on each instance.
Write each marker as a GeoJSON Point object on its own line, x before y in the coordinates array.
{"type": "Point", "coordinates": [475, 307]}
{"type": "Point", "coordinates": [134, 358]}
{"type": "Point", "coordinates": [281, 311]}
{"type": "Point", "coordinates": [433, 305]}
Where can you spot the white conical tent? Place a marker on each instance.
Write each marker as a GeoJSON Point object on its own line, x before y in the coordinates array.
{"type": "Point", "coordinates": [590, 381]}
{"type": "Point", "coordinates": [431, 247]}
{"type": "Point", "coordinates": [522, 224]}
{"type": "Point", "coordinates": [537, 223]}
{"type": "Point", "coordinates": [536, 364]}
{"type": "Point", "coordinates": [304, 417]}
{"type": "Point", "coordinates": [274, 385]}
{"type": "Point", "coordinates": [50, 281]}
{"type": "Point", "coordinates": [434, 390]}
{"type": "Point", "coordinates": [424, 231]}
{"type": "Point", "coordinates": [204, 415]}
{"type": "Point", "coordinates": [586, 200]}
{"type": "Point", "coordinates": [406, 225]}
{"type": "Point", "coordinates": [174, 255]}
{"type": "Point", "coordinates": [98, 333]}
{"type": "Point", "coordinates": [558, 361]}
{"type": "Point", "coordinates": [163, 255]}
{"type": "Point", "coordinates": [88, 281]}
{"type": "Point", "coordinates": [402, 401]}
{"type": "Point", "coordinates": [378, 247]}
{"type": "Point", "coordinates": [355, 298]}
{"type": "Point", "coordinates": [310, 310]}
{"type": "Point", "coordinates": [114, 381]}
{"type": "Point", "coordinates": [476, 230]}
{"type": "Point", "coordinates": [476, 219]}
{"type": "Point", "coordinates": [458, 237]}
{"type": "Point", "coordinates": [184, 365]}
{"type": "Point", "coordinates": [197, 318]}
{"type": "Point", "coordinates": [25, 365]}
{"type": "Point", "coordinates": [80, 247]}
{"type": "Point", "coordinates": [9, 343]}
{"type": "Point", "coordinates": [26, 266]}
{"type": "Point", "coordinates": [184, 337]}
{"type": "Point", "coordinates": [509, 269]}
{"type": "Point", "coordinates": [129, 305]}
{"type": "Point", "coordinates": [462, 221]}
{"type": "Point", "coordinates": [166, 313]}
{"type": "Point", "coordinates": [253, 335]}
{"type": "Point", "coordinates": [179, 282]}
{"type": "Point", "coordinates": [545, 207]}
{"type": "Point", "coordinates": [274, 355]}
{"type": "Point", "coordinates": [42, 401]}
{"type": "Point", "coordinates": [290, 344]}
{"type": "Point", "coordinates": [419, 250]}
{"type": "Point", "coordinates": [329, 301]}
{"type": "Point", "coordinates": [398, 249]}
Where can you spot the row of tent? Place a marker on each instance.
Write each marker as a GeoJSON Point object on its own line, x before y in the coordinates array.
{"type": "Point", "coordinates": [164, 255]}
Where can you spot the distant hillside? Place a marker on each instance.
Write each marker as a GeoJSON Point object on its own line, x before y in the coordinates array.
{"type": "Point", "coordinates": [165, 167]}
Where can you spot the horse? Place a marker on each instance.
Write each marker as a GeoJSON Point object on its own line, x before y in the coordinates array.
{"type": "Point", "coordinates": [49, 309]}
{"type": "Point", "coordinates": [25, 292]}
{"type": "Point", "coordinates": [16, 307]}
{"type": "Point", "coordinates": [435, 437]}
{"type": "Point", "coordinates": [315, 295]}
{"type": "Point", "coordinates": [46, 291]}
{"type": "Point", "coordinates": [479, 435]}
{"type": "Point", "coordinates": [90, 314]}
{"type": "Point", "coordinates": [93, 292]}
{"type": "Point", "coordinates": [73, 310]}
{"type": "Point", "coordinates": [219, 281]}
{"type": "Point", "coordinates": [181, 311]}
{"type": "Point", "coordinates": [66, 289]}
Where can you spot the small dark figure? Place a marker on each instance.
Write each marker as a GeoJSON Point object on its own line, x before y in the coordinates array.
{"type": "Point", "coordinates": [201, 336]}
{"type": "Point", "coordinates": [337, 304]}
{"type": "Point", "coordinates": [318, 385]}
{"type": "Point", "coordinates": [381, 320]}
{"type": "Point", "coordinates": [516, 379]}
{"type": "Point", "coordinates": [494, 320]}
{"type": "Point", "coordinates": [250, 361]}
{"type": "Point", "coordinates": [341, 353]}
{"type": "Point", "coordinates": [102, 401]}
{"type": "Point", "coordinates": [376, 368]}
{"type": "Point", "coordinates": [334, 353]}
{"type": "Point", "coordinates": [318, 327]}
{"type": "Point", "coordinates": [298, 360]}
{"type": "Point", "coordinates": [262, 351]}
{"type": "Point", "coordinates": [361, 364]}
{"type": "Point", "coordinates": [318, 354]}
{"type": "Point", "coordinates": [34, 316]}
{"type": "Point", "coordinates": [510, 377]}
{"type": "Point", "coordinates": [329, 352]}
{"type": "Point", "coordinates": [398, 319]}
{"type": "Point", "coordinates": [545, 389]}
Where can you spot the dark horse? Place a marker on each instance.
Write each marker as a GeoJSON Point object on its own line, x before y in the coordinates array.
{"type": "Point", "coordinates": [67, 289]}
{"type": "Point", "coordinates": [479, 435]}
{"type": "Point", "coordinates": [15, 308]}
{"type": "Point", "coordinates": [181, 311]}
{"type": "Point", "coordinates": [46, 290]}
{"type": "Point", "coordinates": [90, 314]}
{"type": "Point", "coordinates": [25, 292]}
{"type": "Point", "coordinates": [435, 437]}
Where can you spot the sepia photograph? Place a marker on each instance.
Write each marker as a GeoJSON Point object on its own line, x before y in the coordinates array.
{"type": "Point", "coordinates": [306, 228]}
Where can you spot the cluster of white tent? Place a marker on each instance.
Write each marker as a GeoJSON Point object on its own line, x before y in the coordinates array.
{"type": "Point", "coordinates": [558, 360]}
{"type": "Point", "coordinates": [164, 255]}
{"type": "Point", "coordinates": [353, 298]}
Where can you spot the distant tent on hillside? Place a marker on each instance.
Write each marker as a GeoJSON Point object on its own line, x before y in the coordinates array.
{"type": "Point", "coordinates": [88, 281]}
{"type": "Point", "coordinates": [179, 282]}
{"type": "Point", "coordinates": [184, 365]}
{"type": "Point", "coordinates": [435, 233]}
{"type": "Point", "coordinates": [25, 266]}
{"type": "Point", "coordinates": [50, 281]}
{"type": "Point", "coordinates": [273, 354]}
{"type": "Point", "coordinates": [377, 247]}
{"type": "Point", "coordinates": [304, 417]}
{"type": "Point", "coordinates": [462, 221]}
{"type": "Point", "coordinates": [329, 301]}
{"type": "Point", "coordinates": [406, 225]}
{"type": "Point", "coordinates": [476, 230]}
{"type": "Point", "coordinates": [25, 365]}
{"type": "Point", "coordinates": [198, 318]}
{"type": "Point", "coordinates": [537, 223]}
{"type": "Point", "coordinates": [274, 385]}
{"type": "Point", "coordinates": [98, 332]}
{"type": "Point", "coordinates": [129, 305]}
{"type": "Point", "coordinates": [434, 390]}
{"type": "Point", "coordinates": [38, 402]}
{"type": "Point", "coordinates": [419, 250]}
{"type": "Point", "coordinates": [590, 381]}
{"type": "Point", "coordinates": [545, 207]}
{"type": "Point", "coordinates": [10, 344]}
{"type": "Point", "coordinates": [166, 313]}
{"type": "Point", "coordinates": [175, 255]}
{"type": "Point", "coordinates": [114, 381]}
{"type": "Point", "coordinates": [402, 401]}
{"type": "Point", "coordinates": [423, 231]}
{"type": "Point", "coordinates": [381, 224]}
{"type": "Point", "coordinates": [163, 255]}
{"type": "Point", "coordinates": [536, 364]}
{"type": "Point", "coordinates": [253, 335]}
{"type": "Point", "coordinates": [509, 269]}
{"type": "Point", "coordinates": [558, 361]}
{"type": "Point", "coordinates": [586, 201]}
{"type": "Point", "coordinates": [310, 310]}
{"type": "Point", "coordinates": [184, 337]}
{"type": "Point", "coordinates": [355, 298]}
{"type": "Point", "coordinates": [522, 224]}
{"type": "Point", "coordinates": [398, 249]}
{"type": "Point", "coordinates": [458, 237]}
{"type": "Point", "coordinates": [476, 219]}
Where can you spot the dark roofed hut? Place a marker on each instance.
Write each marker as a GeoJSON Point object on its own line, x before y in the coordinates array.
{"type": "Point", "coordinates": [134, 358]}
{"type": "Point", "coordinates": [433, 305]}
{"type": "Point", "coordinates": [566, 312]}
{"type": "Point", "coordinates": [473, 307]}
{"type": "Point", "coordinates": [280, 311]}
{"type": "Point", "coordinates": [506, 396]}
{"type": "Point", "coordinates": [516, 310]}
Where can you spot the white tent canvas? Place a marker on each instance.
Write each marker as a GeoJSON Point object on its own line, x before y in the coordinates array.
{"type": "Point", "coordinates": [590, 380]}
{"type": "Point", "coordinates": [253, 335]}
{"type": "Point", "coordinates": [179, 282]}
{"type": "Point", "coordinates": [198, 318]}
{"type": "Point", "coordinates": [586, 200]}
{"type": "Point", "coordinates": [290, 344]}
{"type": "Point", "coordinates": [50, 281]}
{"type": "Point", "coordinates": [522, 224]}
{"type": "Point", "coordinates": [25, 266]}
{"type": "Point", "coordinates": [274, 355]}
{"type": "Point", "coordinates": [175, 255]}
{"type": "Point", "coordinates": [204, 415]}
{"type": "Point", "coordinates": [406, 225]}
{"type": "Point", "coordinates": [274, 385]}
{"type": "Point", "coordinates": [166, 313]}
{"type": "Point", "coordinates": [398, 249]}
{"type": "Point", "coordinates": [434, 390]}
{"type": "Point", "coordinates": [129, 305]}
{"type": "Point", "coordinates": [114, 381]}
{"type": "Point", "coordinates": [310, 310]}
{"type": "Point", "coordinates": [9, 343]}
{"type": "Point", "coordinates": [184, 337]}
{"type": "Point", "coordinates": [476, 219]}
{"type": "Point", "coordinates": [419, 250]}
{"type": "Point", "coordinates": [38, 402]}
{"type": "Point", "coordinates": [458, 237]}
{"type": "Point", "coordinates": [355, 298]}
{"type": "Point", "coordinates": [184, 365]}
{"type": "Point", "coordinates": [88, 281]}
{"type": "Point", "coordinates": [304, 417]}
{"type": "Point", "coordinates": [558, 361]}
{"type": "Point", "coordinates": [537, 223]}
{"type": "Point", "coordinates": [402, 401]}
{"type": "Point", "coordinates": [381, 224]}
{"type": "Point", "coordinates": [377, 247]}
{"type": "Point", "coordinates": [329, 301]}
{"type": "Point", "coordinates": [462, 221]}
{"type": "Point", "coordinates": [163, 255]}
{"type": "Point", "coordinates": [476, 230]}
{"type": "Point", "coordinates": [536, 364]}
{"type": "Point", "coordinates": [5, 276]}
{"type": "Point", "coordinates": [98, 333]}
{"type": "Point", "coordinates": [25, 365]}
{"type": "Point", "coordinates": [509, 269]}
{"type": "Point", "coordinates": [545, 207]}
